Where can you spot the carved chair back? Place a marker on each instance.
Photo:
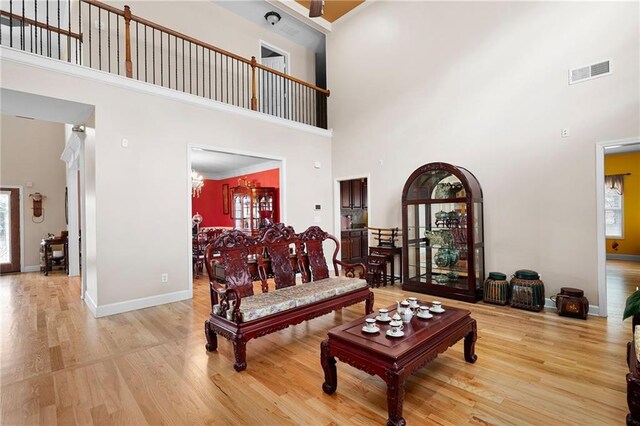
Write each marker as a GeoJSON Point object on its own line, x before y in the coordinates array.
{"type": "Point", "coordinates": [313, 238]}
{"type": "Point", "coordinates": [278, 239]}
{"type": "Point", "coordinates": [234, 248]}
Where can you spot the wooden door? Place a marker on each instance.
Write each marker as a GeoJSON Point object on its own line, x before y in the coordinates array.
{"type": "Point", "coordinates": [9, 230]}
{"type": "Point", "coordinates": [345, 194]}
{"type": "Point", "coordinates": [356, 194]}
{"type": "Point", "coordinates": [356, 245]}
{"type": "Point", "coordinates": [345, 247]}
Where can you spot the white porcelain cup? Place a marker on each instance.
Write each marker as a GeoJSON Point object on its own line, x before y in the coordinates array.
{"type": "Point", "coordinates": [413, 302]}
{"type": "Point", "coordinates": [384, 313]}
{"type": "Point", "coordinates": [424, 311]}
{"type": "Point", "coordinates": [370, 324]}
{"type": "Point", "coordinates": [437, 306]}
{"type": "Point", "coordinates": [396, 327]}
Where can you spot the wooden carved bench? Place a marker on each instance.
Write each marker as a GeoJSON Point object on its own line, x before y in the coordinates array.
{"type": "Point", "coordinates": [240, 315]}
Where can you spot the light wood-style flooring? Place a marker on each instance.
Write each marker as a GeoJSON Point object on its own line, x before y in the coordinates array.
{"type": "Point", "coordinates": [59, 365]}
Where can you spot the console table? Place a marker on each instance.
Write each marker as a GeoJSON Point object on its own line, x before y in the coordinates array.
{"type": "Point", "coordinates": [48, 253]}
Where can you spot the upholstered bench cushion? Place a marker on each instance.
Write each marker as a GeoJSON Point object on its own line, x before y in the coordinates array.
{"type": "Point", "coordinates": [264, 304]}
{"type": "Point", "coordinates": [636, 341]}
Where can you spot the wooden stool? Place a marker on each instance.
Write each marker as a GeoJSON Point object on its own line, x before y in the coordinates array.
{"type": "Point", "coordinates": [376, 271]}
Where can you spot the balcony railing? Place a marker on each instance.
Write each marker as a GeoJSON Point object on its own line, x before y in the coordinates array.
{"type": "Point", "coordinates": [99, 36]}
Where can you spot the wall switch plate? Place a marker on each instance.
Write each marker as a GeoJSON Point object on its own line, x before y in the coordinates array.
{"type": "Point", "coordinates": [317, 219]}
{"type": "Point", "coordinates": [164, 278]}
{"type": "Point", "coordinates": [317, 164]}
{"type": "Point", "coordinates": [381, 162]}
{"type": "Point", "coordinates": [564, 133]}
{"type": "Point", "coordinates": [125, 143]}
{"type": "Point", "coordinates": [29, 184]}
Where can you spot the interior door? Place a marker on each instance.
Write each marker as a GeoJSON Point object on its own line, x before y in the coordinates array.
{"type": "Point", "coordinates": [273, 97]}
{"type": "Point", "coordinates": [9, 230]}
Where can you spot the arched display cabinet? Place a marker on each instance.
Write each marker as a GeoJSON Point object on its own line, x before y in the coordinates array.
{"type": "Point", "coordinates": [443, 237]}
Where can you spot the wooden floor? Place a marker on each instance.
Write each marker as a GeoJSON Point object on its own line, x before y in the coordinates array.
{"type": "Point", "coordinates": [59, 365]}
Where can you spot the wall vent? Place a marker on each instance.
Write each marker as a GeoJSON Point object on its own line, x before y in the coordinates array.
{"type": "Point", "coordinates": [589, 72]}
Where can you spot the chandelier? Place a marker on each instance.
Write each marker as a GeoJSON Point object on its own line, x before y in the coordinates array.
{"type": "Point", "coordinates": [197, 183]}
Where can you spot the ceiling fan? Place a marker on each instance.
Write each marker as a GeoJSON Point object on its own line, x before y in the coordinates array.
{"type": "Point", "coordinates": [316, 8]}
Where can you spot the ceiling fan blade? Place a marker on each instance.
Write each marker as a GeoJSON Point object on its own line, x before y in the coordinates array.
{"type": "Point", "coordinates": [316, 8]}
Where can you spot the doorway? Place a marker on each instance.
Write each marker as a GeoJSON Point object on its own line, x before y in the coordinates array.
{"type": "Point", "coordinates": [10, 230]}
{"type": "Point", "coordinates": [274, 89]}
{"type": "Point", "coordinates": [613, 287]}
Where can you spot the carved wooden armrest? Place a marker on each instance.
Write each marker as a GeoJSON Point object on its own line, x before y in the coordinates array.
{"type": "Point", "coordinates": [231, 300]}
{"type": "Point", "coordinates": [350, 269]}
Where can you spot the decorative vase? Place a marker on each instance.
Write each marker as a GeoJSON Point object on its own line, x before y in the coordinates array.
{"type": "Point", "coordinates": [441, 258]}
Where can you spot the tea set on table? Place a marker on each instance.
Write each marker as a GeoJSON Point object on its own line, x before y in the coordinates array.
{"type": "Point", "coordinates": [406, 310]}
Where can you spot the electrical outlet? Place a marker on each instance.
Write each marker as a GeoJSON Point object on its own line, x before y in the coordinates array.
{"type": "Point", "coordinates": [564, 133]}
{"type": "Point", "coordinates": [164, 278]}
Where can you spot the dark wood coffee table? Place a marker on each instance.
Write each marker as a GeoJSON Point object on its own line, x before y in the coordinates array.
{"type": "Point", "coordinates": [395, 359]}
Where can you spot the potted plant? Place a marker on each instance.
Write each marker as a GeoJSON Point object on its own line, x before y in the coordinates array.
{"type": "Point", "coordinates": [632, 306]}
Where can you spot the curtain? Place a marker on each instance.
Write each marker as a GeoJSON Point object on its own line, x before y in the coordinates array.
{"type": "Point", "coordinates": [614, 182]}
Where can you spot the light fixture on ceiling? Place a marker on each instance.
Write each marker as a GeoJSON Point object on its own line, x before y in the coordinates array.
{"type": "Point", "coordinates": [197, 183]}
{"type": "Point", "coordinates": [272, 17]}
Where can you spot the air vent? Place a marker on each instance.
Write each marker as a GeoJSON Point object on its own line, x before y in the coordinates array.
{"type": "Point", "coordinates": [589, 72]}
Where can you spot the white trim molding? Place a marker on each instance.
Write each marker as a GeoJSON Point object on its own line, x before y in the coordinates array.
{"type": "Point", "coordinates": [91, 304]}
{"type": "Point", "coordinates": [135, 304]}
{"type": "Point", "coordinates": [31, 268]}
{"type": "Point", "coordinates": [600, 226]}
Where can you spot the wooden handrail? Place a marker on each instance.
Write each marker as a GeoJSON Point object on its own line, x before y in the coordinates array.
{"type": "Point", "coordinates": [297, 80]}
{"type": "Point", "coordinates": [41, 25]}
{"type": "Point", "coordinates": [127, 14]}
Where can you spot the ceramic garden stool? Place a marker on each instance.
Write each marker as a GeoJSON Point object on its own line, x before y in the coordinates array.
{"type": "Point", "coordinates": [527, 290]}
{"type": "Point", "coordinates": [496, 289]}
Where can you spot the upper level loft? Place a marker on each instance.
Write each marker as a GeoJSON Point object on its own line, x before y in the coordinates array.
{"type": "Point", "coordinates": [104, 37]}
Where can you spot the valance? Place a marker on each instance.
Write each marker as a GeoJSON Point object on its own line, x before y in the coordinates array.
{"type": "Point", "coordinates": [614, 182]}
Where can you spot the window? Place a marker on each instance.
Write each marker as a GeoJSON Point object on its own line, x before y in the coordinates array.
{"type": "Point", "coordinates": [613, 218]}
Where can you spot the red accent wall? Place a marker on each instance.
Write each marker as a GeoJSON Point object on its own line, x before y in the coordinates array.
{"type": "Point", "coordinates": [209, 204]}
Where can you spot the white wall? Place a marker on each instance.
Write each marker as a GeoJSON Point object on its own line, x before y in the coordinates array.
{"type": "Point", "coordinates": [142, 193]}
{"type": "Point", "coordinates": [30, 152]}
{"type": "Point", "coordinates": [484, 86]}
{"type": "Point", "coordinates": [213, 24]}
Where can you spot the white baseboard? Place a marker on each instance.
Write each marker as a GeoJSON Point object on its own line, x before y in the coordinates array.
{"type": "Point", "coordinates": [32, 268]}
{"type": "Point", "coordinates": [593, 309]}
{"type": "Point", "coordinates": [91, 304]}
{"type": "Point", "coordinates": [132, 305]}
{"type": "Point", "coordinates": [615, 256]}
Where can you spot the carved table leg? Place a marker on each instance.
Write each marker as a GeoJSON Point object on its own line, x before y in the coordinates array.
{"type": "Point", "coordinates": [329, 366]}
{"type": "Point", "coordinates": [369, 304]}
{"type": "Point", "coordinates": [212, 337]}
{"type": "Point", "coordinates": [240, 352]}
{"type": "Point", "coordinates": [395, 398]}
{"type": "Point", "coordinates": [470, 344]}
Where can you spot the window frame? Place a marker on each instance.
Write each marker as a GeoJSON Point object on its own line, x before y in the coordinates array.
{"type": "Point", "coordinates": [621, 209]}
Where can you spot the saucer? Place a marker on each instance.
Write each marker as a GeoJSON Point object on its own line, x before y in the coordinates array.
{"type": "Point", "coordinates": [428, 316]}
{"type": "Point", "coordinates": [435, 311]}
{"type": "Point", "coordinates": [390, 334]}
{"type": "Point", "coordinates": [388, 319]}
{"type": "Point", "coordinates": [366, 330]}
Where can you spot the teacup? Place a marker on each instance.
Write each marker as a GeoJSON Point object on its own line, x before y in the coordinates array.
{"type": "Point", "coordinates": [423, 311]}
{"type": "Point", "coordinates": [370, 324]}
{"type": "Point", "coordinates": [384, 314]}
{"type": "Point", "coordinates": [396, 327]}
{"type": "Point", "coordinates": [437, 306]}
{"type": "Point", "coordinates": [413, 302]}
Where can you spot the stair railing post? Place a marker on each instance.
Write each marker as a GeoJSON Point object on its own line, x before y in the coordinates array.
{"type": "Point", "coordinates": [254, 99]}
{"type": "Point", "coordinates": [127, 41]}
